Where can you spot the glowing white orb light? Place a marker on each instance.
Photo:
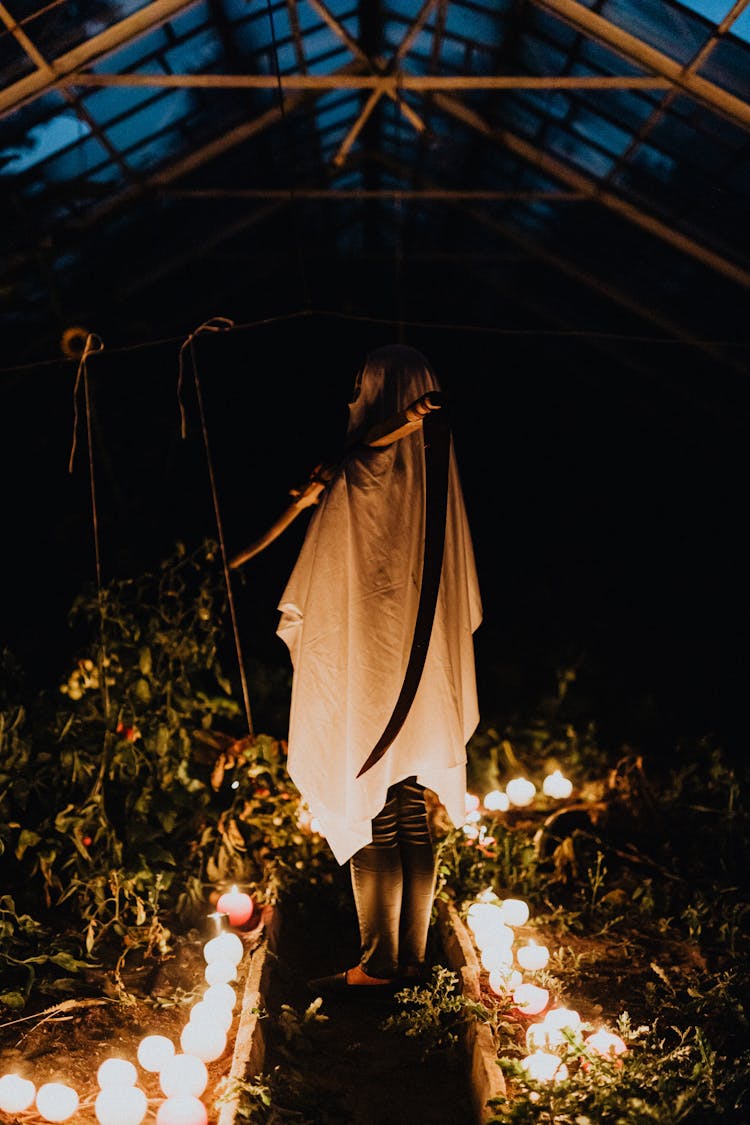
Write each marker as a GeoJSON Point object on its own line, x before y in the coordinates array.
{"type": "Point", "coordinates": [555, 785]}
{"type": "Point", "coordinates": [496, 957]}
{"type": "Point", "coordinates": [220, 972]}
{"type": "Point", "coordinates": [206, 1040]}
{"type": "Point", "coordinates": [16, 1093]}
{"type": "Point", "coordinates": [503, 980]}
{"type": "Point", "coordinates": [606, 1043]}
{"type": "Point", "coordinates": [514, 912]}
{"type": "Point", "coordinates": [182, 1109]}
{"type": "Point", "coordinates": [521, 791]}
{"type": "Point", "coordinates": [220, 996]}
{"type": "Point", "coordinates": [154, 1052]}
{"type": "Point", "coordinates": [545, 1067]}
{"type": "Point", "coordinates": [563, 1019]}
{"type": "Point", "coordinates": [532, 956]}
{"type": "Point", "coordinates": [539, 1037]}
{"type": "Point", "coordinates": [56, 1102]}
{"type": "Point", "coordinates": [497, 801]}
{"type": "Point", "coordinates": [212, 1013]}
{"type": "Point", "coordinates": [121, 1105]}
{"type": "Point", "coordinates": [116, 1072]}
{"type": "Point", "coordinates": [183, 1074]}
{"type": "Point", "coordinates": [485, 921]}
{"type": "Point", "coordinates": [224, 947]}
{"type": "Point", "coordinates": [530, 999]}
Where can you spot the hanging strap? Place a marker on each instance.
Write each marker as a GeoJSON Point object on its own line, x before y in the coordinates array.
{"type": "Point", "coordinates": [437, 439]}
{"type": "Point", "coordinates": [215, 324]}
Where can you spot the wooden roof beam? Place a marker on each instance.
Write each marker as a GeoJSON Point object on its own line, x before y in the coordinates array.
{"type": "Point", "coordinates": [591, 24]}
{"type": "Point", "coordinates": [47, 76]}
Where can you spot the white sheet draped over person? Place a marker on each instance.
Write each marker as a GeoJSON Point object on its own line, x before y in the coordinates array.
{"type": "Point", "coordinates": [348, 614]}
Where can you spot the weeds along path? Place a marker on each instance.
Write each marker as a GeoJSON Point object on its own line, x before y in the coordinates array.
{"type": "Point", "coordinates": [337, 1064]}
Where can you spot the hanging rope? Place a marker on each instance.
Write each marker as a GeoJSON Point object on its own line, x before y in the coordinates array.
{"type": "Point", "coordinates": [93, 344]}
{"type": "Point", "coordinates": [214, 324]}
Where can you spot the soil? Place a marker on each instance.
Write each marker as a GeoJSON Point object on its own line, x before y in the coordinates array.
{"type": "Point", "coordinates": [342, 1069]}
{"type": "Point", "coordinates": [350, 1069]}
{"type": "Point", "coordinates": [67, 1041]}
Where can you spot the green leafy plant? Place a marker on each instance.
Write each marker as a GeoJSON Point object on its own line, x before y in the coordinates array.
{"type": "Point", "coordinates": [436, 1012]}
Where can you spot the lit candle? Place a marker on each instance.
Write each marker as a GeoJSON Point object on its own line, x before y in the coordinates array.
{"type": "Point", "coordinates": [182, 1109]}
{"type": "Point", "coordinates": [16, 1093]}
{"type": "Point", "coordinates": [116, 1072]}
{"type": "Point", "coordinates": [224, 947]}
{"type": "Point", "coordinates": [605, 1043]}
{"type": "Point", "coordinates": [532, 956]}
{"type": "Point", "coordinates": [514, 912]}
{"type": "Point", "coordinates": [555, 785]}
{"type": "Point", "coordinates": [205, 1039]}
{"type": "Point", "coordinates": [121, 1105]}
{"type": "Point", "coordinates": [56, 1102]}
{"type": "Point", "coordinates": [154, 1052]}
{"type": "Point", "coordinates": [496, 801]}
{"type": "Point", "coordinates": [237, 905]}
{"type": "Point", "coordinates": [545, 1067]}
{"type": "Point", "coordinates": [520, 791]}
{"type": "Point", "coordinates": [186, 1074]}
{"type": "Point", "coordinates": [530, 999]}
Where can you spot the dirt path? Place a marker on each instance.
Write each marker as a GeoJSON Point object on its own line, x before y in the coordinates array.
{"type": "Point", "coordinates": [348, 1068]}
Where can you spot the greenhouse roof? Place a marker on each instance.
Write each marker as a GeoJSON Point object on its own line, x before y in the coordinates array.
{"type": "Point", "coordinates": [513, 164]}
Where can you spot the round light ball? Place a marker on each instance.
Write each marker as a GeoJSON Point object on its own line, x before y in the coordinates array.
{"type": "Point", "coordinates": [182, 1109]}
{"type": "Point", "coordinates": [497, 801]}
{"type": "Point", "coordinates": [606, 1043]}
{"type": "Point", "coordinates": [521, 791]}
{"type": "Point", "coordinates": [220, 972]}
{"type": "Point", "coordinates": [16, 1093]}
{"type": "Point", "coordinates": [543, 1066]}
{"type": "Point", "coordinates": [154, 1052]}
{"type": "Point", "coordinates": [220, 996]}
{"type": "Point", "coordinates": [530, 999]}
{"type": "Point", "coordinates": [224, 947]}
{"type": "Point", "coordinates": [514, 912]}
{"type": "Point", "coordinates": [56, 1101]}
{"type": "Point", "coordinates": [121, 1105]}
{"type": "Point", "coordinates": [207, 1041]}
{"type": "Point", "coordinates": [183, 1074]}
{"type": "Point", "coordinates": [211, 1013]}
{"type": "Point", "coordinates": [116, 1072]}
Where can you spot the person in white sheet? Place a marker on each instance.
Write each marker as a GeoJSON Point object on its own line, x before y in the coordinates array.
{"type": "Point", "coordinates": [348, 616]}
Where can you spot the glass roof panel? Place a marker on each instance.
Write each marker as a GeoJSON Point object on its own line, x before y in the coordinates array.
{"type": "Point", "coordinates": [153, 118]}
{"type": "Point", "coordinates": [728, 66]}
{"type": "Point", "coordinates": [44, 140]}
{"type": "Point", "coordinates": [666, 26]}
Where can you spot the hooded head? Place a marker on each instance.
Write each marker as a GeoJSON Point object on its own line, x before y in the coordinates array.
{"type": "Point", "coordinates": [392, 377]}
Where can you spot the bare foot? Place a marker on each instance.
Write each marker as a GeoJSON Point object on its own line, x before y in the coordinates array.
{"type": "Point", "coordinates": [357, 975]}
